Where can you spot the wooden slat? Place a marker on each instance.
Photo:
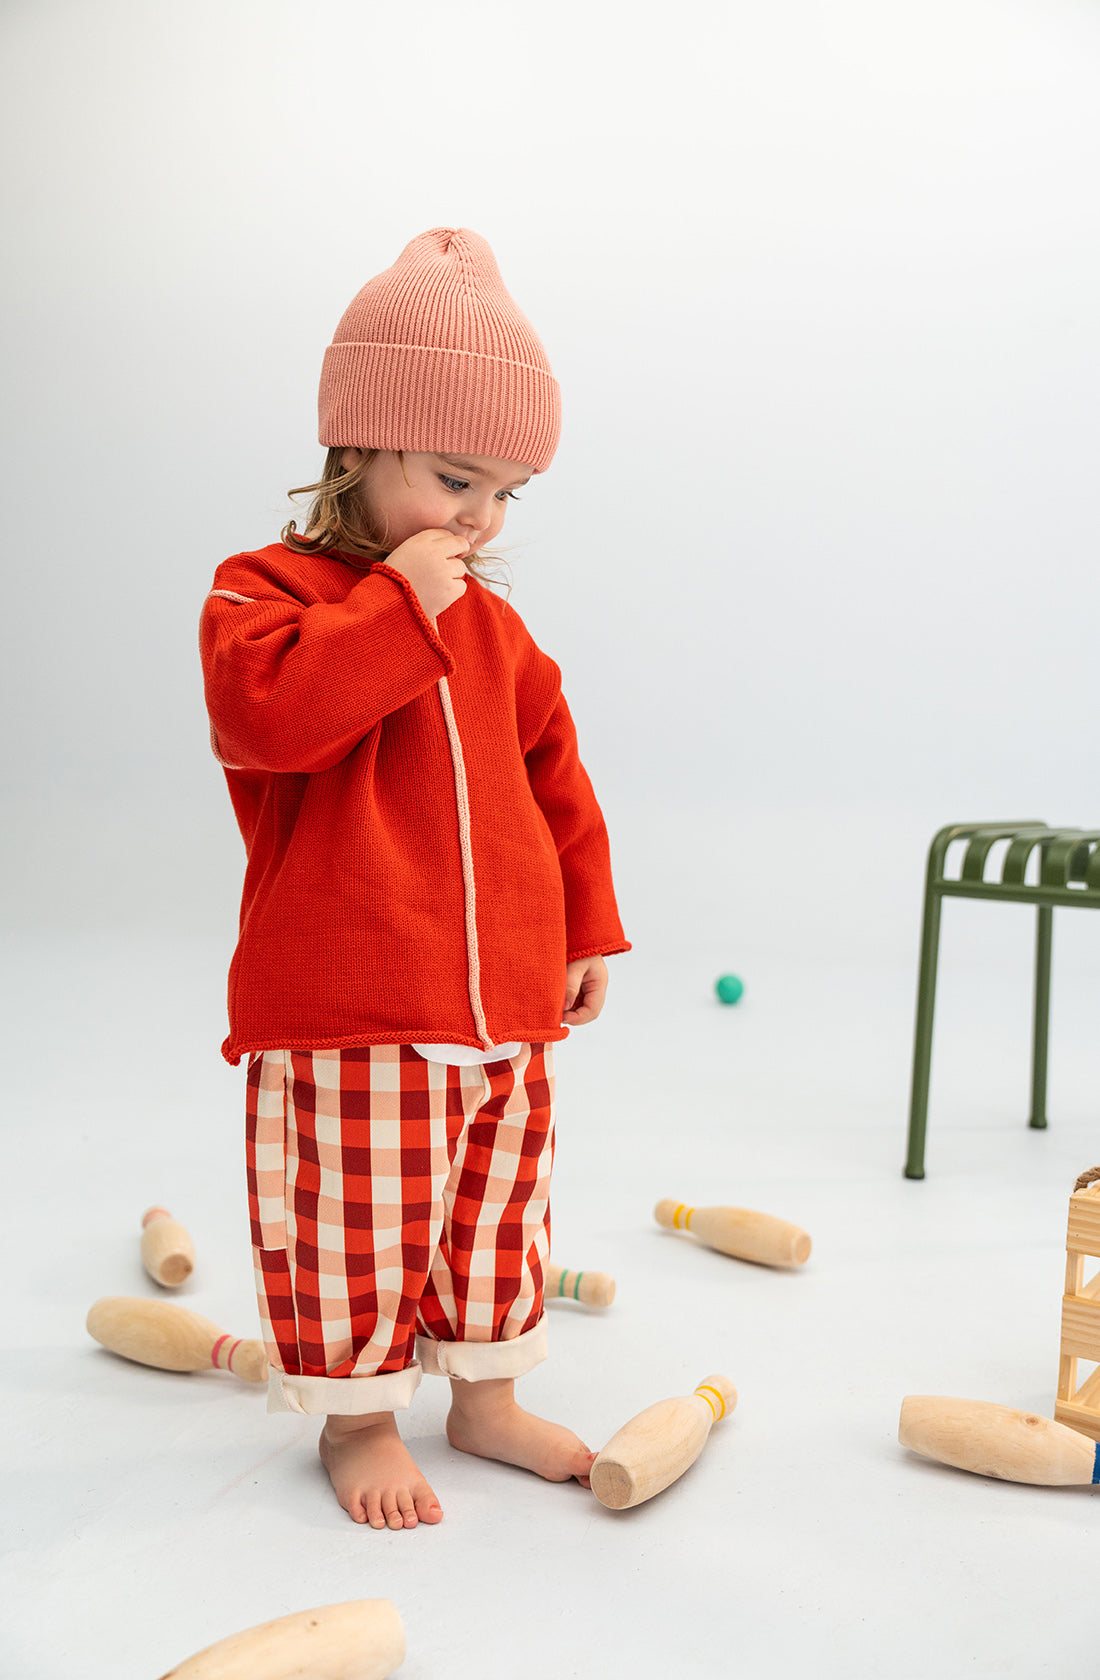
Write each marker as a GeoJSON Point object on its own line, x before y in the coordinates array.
{"type": "Point", "coordinates": [1067, 1376]}
{"type": "Point", "coordinates": [1080, 1327]}
{"type": "Point", "coordinates": [1079, 1408]}
{"type": "Point", "coordinates": [1083, 1232]}
{"type": "Point", "coordinates": [1078, 1417]}
{"type": "Point", "coordinates": [1089, 1392]}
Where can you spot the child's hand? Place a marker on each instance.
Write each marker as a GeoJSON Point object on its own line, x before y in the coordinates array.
{"type": "Point", "coordinates": [432, 562]}
{"type": "Point", "coordinates": [585, 990]}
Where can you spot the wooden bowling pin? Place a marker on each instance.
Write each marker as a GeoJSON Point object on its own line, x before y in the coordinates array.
{"type": "Point", "coordinates": [998, 1441]}
{"type": "Point", "coordinates": [657, 1446]}
{"type": "Point", "coordinates": [739, 1231]}
{"type": "Point", "coordinates": [167, 1252]}
{"type": "Point", "coordinates": [172, 1338]}
{"type": "Point", "coordinates": [361, 1640]}
{"type": "Point", "coordinates": [595, 1289]}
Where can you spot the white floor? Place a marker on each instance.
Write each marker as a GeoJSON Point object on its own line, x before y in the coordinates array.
{"type": "Point", "coordinates": [156, 1513]}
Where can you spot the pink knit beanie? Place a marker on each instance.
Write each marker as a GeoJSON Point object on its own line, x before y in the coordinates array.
{"type": "Point", "coordinates": [434, 355]}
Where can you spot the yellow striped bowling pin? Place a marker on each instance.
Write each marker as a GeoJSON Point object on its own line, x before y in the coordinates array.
{"type": "Point", "coordinates": [738, 1231]}
{"type": "Point", "coordinates": [653, 1449]}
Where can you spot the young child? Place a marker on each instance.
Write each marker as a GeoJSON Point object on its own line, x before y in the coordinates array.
{"type": "Point", "coordinates": [427, 900]}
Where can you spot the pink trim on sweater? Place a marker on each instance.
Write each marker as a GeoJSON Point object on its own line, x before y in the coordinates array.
{"type": "Point", "coordinates": [214, 748]}
{"type": "Point", "coordinates": [462, 798]}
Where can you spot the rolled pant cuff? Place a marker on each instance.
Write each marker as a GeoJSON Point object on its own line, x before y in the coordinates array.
{"type": "Point", "coordinates": [480, 1361]}
{"type": "Point", "coordinates": [343, 1396]}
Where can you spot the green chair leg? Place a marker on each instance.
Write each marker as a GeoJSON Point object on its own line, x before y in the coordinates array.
{"type": "Point", "coordinates": [1044, 932]}
{"type": "Point", "coordinates": [922, 1041]}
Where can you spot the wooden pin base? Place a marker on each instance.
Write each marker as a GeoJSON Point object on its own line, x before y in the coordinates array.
{"type": "Point", "coordinates": [655, 1448]}
{"type": "Point", "coordinates": [167, 1251]}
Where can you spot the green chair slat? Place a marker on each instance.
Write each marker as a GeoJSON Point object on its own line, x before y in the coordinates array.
{"type": "Point", "coordinates": [1092, 878]}
{"type": "Point", "coordinates": [937, 852]}
{"type": "Point", "coordinates": [1079, 862]}
{"type": "Point", "coordinates": [1018, 855]}
{"type": "Point", "coordinates": [1062, 860]}
{"type": "Point", "coordinates": [985, 839]}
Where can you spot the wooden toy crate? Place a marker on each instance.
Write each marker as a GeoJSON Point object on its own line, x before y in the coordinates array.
{"type": "Point", "coordinates": [1079, 1407]}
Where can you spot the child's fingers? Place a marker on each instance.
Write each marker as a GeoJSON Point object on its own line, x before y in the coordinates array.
{"type": "Point", "coordinates": [585, 990]}
{"type": "Point", "coordinates": [586, 1007]}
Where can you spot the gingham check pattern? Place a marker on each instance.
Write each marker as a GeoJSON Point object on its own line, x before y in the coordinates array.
{"type": "Point", "coordinates": [391, 1195]}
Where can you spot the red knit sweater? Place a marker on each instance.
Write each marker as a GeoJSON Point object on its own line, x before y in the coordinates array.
{"type": "Point", "coordinates": [425, 852]}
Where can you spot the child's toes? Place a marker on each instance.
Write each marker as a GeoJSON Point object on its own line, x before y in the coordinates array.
{"type": "Point", "coordinates": [582, 1465]}
{"type": "Point", "coordinates": [406, 1505]}
{"type": "Point", "coordinates": [428, 1508]}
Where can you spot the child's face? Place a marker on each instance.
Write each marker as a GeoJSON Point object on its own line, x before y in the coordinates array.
{"type": "Point", "coordinates": [465, 494]}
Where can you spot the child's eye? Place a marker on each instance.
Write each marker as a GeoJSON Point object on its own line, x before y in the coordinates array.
{"type": "Point", "coordinates": [459, 484]}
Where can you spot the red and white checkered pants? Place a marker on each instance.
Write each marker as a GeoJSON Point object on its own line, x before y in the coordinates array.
{"type": "Point", "coordinates": [400, 1219]}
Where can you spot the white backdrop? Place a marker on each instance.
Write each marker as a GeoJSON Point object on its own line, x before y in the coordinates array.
{"type": "Point", "coordinates": [817, 557]}
{"type": "Point", "coordinates": [819, 283]}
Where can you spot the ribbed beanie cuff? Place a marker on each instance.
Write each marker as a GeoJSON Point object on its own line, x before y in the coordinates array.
{"type": "Point", "coordinates": [433, 354]}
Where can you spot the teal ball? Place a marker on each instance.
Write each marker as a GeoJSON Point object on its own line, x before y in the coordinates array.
{"type": "Point", "coordinates": [729, 988]}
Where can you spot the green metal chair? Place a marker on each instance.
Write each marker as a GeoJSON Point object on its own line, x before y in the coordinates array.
{"type": "Point", "coordinates": [1068, 873]}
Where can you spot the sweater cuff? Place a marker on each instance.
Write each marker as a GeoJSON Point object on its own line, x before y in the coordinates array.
{"type": "Point", "coordinates": [426, 624]}
{"type": "Point", "coordinates": [610, 949]}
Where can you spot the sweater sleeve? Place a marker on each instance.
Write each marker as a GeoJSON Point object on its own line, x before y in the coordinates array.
{"type": "Point", "coordinates": [564, 794]}
{"type": "Point", "coordinates": [291, 687]}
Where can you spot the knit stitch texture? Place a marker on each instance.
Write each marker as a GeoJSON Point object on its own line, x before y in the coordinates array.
{"type": "Point", "coordinates": [322, 685]}
{"type": "Point", "coordinates": [433, 354]}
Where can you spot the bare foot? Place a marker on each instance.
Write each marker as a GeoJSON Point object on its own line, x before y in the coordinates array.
{"type": "Point", "coordinates": [484, 1419]}
{"type": "Point", "coordinates": [374, 1474]}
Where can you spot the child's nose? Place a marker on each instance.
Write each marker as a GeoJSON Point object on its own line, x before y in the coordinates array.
{"type": "Point", "coordinates": [477, 518]}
